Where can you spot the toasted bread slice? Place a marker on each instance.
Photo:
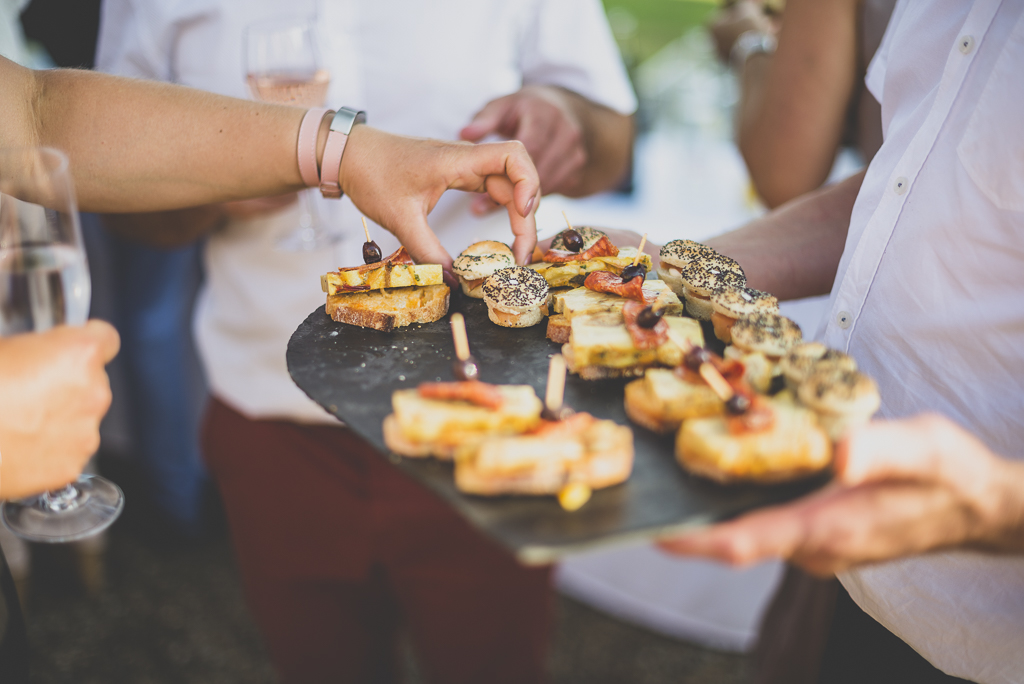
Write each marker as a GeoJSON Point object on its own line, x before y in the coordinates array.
{"type": "Point", "coordinates": [600, 457]}
{"type": "Point", "coordinates": [580, 301]}
{"type": "Point", "coordinates": [385, 277]}
{"type": "Point", "coordinates": [386, 310]}
{"type": "Point", "coordinates": [661, 401]}
{"type": "Point", "coordinates": [558, 329]}
{"type": "Point", "coordinates": [602, 340]}
{"type": "Point", "coordinates": [794, 446]}
{"type": "Point", "coordinates": [422, 427]}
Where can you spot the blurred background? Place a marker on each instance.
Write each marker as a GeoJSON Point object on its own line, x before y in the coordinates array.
{"type": "Point", "coordinates": [151, 606]}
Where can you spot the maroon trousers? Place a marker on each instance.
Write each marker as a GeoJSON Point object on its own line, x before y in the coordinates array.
{"type": "Point", "coordinates": [339, 550]}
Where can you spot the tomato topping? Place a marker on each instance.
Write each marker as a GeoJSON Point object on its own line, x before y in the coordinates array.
{"type": "Point", "coordinates": [606, 281]}
{"type": "Point", "coordinates": [643, 338]}
{"type": "Point", "coordinates": [472, 391]}
{"type": "Point", "coordinates": [602, 247]}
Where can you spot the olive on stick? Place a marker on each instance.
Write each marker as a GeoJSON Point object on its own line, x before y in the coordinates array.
{"type": "Point", "coordinates": [636, 269]}
{"type": "Point", "coordinates": [571, 238]}
{"type": "Point", "coordinates": [371, 251]}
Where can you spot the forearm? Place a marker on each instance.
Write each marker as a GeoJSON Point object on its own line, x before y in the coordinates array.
{"type": "Point", "coordinates": [793, 103]}
{"type": "Point", "coordinates": [794, 251]}
{"type": "Point", "coordinates": [142, 146]}
{"type": "Point", "coordinates": [608, 138]}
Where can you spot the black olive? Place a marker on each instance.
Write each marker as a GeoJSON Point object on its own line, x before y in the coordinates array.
{"type": "Point", "coordinates": [737, 405]}
{"type": "Point", "coordinates": [563, 413]}
{"type": "Point", "coordinates": [466, 370]}
{"type": "Point", "coordinates": [649, 317]}
{"type": "Point", "coordinates": [697, 357]}
{"type": "Point", "coordinates": [371, 253]}
{"type": "Point", "coordinates": [572, 240]}
{"type": "Point", "coordinates": [634, 271]}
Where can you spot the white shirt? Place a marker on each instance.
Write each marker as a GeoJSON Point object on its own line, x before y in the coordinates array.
{"type": "Point", "coordinates": [929, 299]}
{"type": "Point", "coordinates": [417, 68]}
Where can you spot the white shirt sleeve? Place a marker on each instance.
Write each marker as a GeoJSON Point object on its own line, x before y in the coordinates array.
{"type": "Point", "coordinates": [569, 44]}
{"type": "Point", "coordinates": [137, 39]}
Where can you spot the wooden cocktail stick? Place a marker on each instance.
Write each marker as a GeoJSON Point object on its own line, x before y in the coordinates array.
{"type": "Point", "coordinates": [718, 384]}
{"type": "Point", "coordinates": [567, 220]}
{"type": "Point", "coordinates": [459, 335]}
{"type": "Point", "coordinates": [556, 384]}
{"type": "Point", "coordinates": [366, 230]}
{"type": "Point", "coordinates": [640, 250]}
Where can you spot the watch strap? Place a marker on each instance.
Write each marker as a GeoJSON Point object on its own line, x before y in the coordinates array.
{"type": "Point", "coordinates": [344, 119]}
{"type": "Point", "coordinates": [306, 149]}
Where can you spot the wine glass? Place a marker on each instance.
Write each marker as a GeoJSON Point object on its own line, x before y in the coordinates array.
{"type": "Point", "coordinates": [44, 282]}
{"type": "Point", "coordinates": [283, 66]}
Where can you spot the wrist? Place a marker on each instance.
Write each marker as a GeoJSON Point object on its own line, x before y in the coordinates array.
{"type": "Point", "coordinates": [1006, 515]}
{"type": "Point", "coordinates": [356, 140]}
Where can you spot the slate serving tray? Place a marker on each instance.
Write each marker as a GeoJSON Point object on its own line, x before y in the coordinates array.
{"type": "Point", "coordinates": [352, 373]}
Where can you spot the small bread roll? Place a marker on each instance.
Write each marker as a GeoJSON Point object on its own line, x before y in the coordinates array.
{"type": "Point", "coordinates": [731, 303]}
{"type": "Point", "coordinates": [479, 261]}
{"type": "Point", "coordinates": [809, 357]}
{"type": "Point", "coordinates": [515, 297]}
{"type": "Point", "coordinates": [842, 399]}
{"type": "Point", "coordinates": [710, 272]}
{"type": "Point", "coordinates": [771, 334]}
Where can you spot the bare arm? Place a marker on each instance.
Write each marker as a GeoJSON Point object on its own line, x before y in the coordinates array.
{"type": "Point", "coordinates": [794, 251]}
{"type": "Point", "coordinates": [139, 146]}
{"type": "Point", "coordinates": [793, 103]}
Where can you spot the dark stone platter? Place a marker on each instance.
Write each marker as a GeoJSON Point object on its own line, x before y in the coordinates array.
{"type": "Point", "coordinates": [352, 372]}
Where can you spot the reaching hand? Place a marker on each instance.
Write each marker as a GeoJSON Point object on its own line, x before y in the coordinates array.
{"type": "Point", "coordinates": [53, 393]}
{"type": "Point", "coordinates": [396, 181]}
{"type": "Point", "coordinates": [901, 488]}
{"type": "Point", "coordinates": [543, 119]}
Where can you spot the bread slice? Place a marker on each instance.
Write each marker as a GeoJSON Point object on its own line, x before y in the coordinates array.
{"type": "Point", "coordinates": [794, 447]}
{"type": "Point", "coordinates": [601, 457]}
{"type": "Point", "coordinates": [421, 426]}
{"type": "Point", "coordinates": [386, 310]}
{"type": "Point", "coordinates": [385, 277]}
{"type": "Point", "coordinates": [580, 301]}
{"type": "Point", "coordinates": [558, 329]}
{"type": "Point", "coordinates": [602, 340]}
{"type": "Point", "coordinates": [661, 401]}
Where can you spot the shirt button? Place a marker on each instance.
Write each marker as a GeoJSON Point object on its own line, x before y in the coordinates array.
{"type": "Point", "coordinates": [900, 186]}
{"type": "Point", "coordinates": [844, 319]}
{"type": "Point", "coordinates": [965, 44]}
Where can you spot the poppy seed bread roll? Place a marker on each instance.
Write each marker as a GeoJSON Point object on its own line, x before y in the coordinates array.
{"type": "Point", "coordinates": [589, 234]}
{"type": "Point", "coordinates": [479, 261]}
{"type": "Point", "coordinates": [514, 297]}
{"type": "Point", "coordinates": [809, 357]}
{"type": "Point", "coordinates": [842, 399]}
{"type": "Point", "coordinates": [771, 334]}
{"type": "Point", "coordinates": [732, 303]}
{"type": "Point", "coordinates": [675, 256]}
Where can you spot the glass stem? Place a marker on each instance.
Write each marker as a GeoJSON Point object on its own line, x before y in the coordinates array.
{"type": "Point", "coordinates": [309, 215]}
{"type": "Point", "coordinates": [59, 500]}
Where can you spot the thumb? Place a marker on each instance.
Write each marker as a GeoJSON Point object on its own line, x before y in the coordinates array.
{"type": "Point", "coordinates": [104, 336]}
{"type": "Point", "coordinates": [912, 449]}
{"type": "Point", "coordinates": [487, 121]}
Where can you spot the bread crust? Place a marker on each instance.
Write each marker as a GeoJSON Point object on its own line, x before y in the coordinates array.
{"type": "Point", "coordinates": [559, 329]}
{"type": "Point", "coordinates": [385, 312]}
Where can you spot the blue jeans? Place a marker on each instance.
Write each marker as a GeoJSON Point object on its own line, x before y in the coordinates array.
{"type": "Point", "coordinates": [151, 293]}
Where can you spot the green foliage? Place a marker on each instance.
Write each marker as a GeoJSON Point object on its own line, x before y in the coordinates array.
{"type": "Point", "coordinates": [643, 27]}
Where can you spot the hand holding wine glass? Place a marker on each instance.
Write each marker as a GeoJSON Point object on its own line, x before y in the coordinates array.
{"type": "Point", "coordinates": [44, 284]}
{"type": "Point", "coordinates": [283, 66]}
